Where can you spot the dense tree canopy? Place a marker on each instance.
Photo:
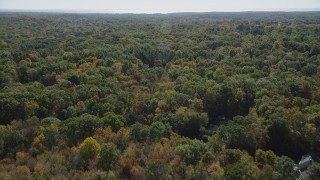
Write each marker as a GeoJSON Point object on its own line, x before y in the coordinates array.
{"type": "Point", "coordinates": [171, 96]}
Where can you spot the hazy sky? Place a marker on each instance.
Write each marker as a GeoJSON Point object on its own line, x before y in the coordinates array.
{"type": "Point", "coordinates": [160, 5]}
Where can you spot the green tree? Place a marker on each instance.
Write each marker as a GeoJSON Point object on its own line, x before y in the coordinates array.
{"type": "Point", "coordinates": [113, 120]}
{"type": "Point", "coordinates": [234, 136]}
{"type": "Point", "coordinates": [243, 168]}
{"type": "Point", "coordinates": [219, 75]}
{"type": "Point", "coordinates": [190, 121]}
{"type": "Point", "coordinates": [284, 166]}
{"type": "Point", "coordinates": [8, 108]}
{"type": "Point", "coordinates": [109, 155]}
{"type": "Point", "coordinates": [314, 171]}
{"type": "Point", "coordinates": [11, 140]}
{"type": "Point", "coordinates": [265, 157]}
{"type": "Point", "coordinates": [79, 128]}
{"type": "Point", "coordinates": [140, 132]}
{"type": "Point", "coordinates": [89, 148]}
{"type": "Point", "coordinates": [191, 150]}
{"type": "Point", "coordinates": [159, 130]}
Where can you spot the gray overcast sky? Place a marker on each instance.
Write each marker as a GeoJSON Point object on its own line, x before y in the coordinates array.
{"type": "Point", "coordinates": [160, 5]}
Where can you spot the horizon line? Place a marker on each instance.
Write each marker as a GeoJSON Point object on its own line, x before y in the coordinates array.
{"type": "Point", "coordinates": [154, 11]}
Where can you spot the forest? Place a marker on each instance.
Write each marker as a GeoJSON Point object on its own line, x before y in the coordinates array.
{"type": "Point", "coordinates": [159, 96]}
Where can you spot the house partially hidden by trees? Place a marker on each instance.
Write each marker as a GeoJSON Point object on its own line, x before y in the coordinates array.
{"type": "Point", "coordinates": [304, 164]}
